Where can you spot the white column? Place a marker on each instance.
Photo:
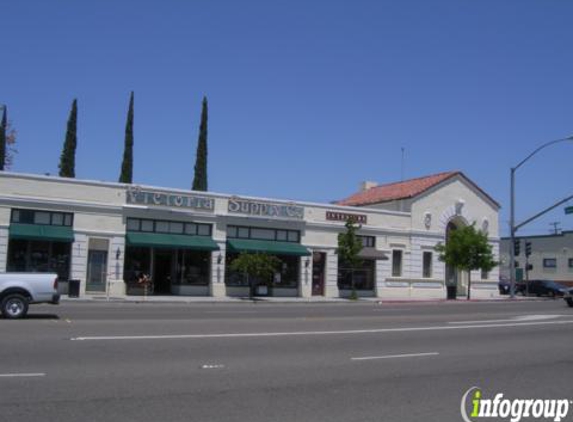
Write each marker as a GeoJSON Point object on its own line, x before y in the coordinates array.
{"type": "Point", "coordinates": [217, 281]}
{"type": "Point", "coordinates": [115, 283]}
{"type": "Point", "coordinates": [305, 277]}
{"type": "Point", "coordinates": [79, 260]}
{"type": "Point", "coordinates": [331, 276]}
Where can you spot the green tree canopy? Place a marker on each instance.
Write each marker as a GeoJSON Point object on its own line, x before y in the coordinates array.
{"type": "Point", "coordinates": [350, 245]}
{"type": "Point", "coordinates": [68, 158]}
{"type": "Point", "coordinates": [467, 249]}
{"type": "Point", "coordinates": [255, 266]}
{"type": "Point", "coordinates": [7, 141]}
{"type": "Point", "coordinates": [200, 178]}
{"type": "Point", "coordinates": [126, 175]}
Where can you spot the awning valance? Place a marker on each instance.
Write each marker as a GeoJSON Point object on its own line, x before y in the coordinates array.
{"type": "Point", "coordinates": [267, 246]}
{"type": "Point", "coordinates": [41, 232]}
{"type": "Point", "coordinates": [372, 253]}
{"type": "Point", "coordinates": [164, 240]}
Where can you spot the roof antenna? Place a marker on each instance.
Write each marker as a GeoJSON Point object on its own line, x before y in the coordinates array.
{"type": "Point", "coordinates": [402, 169]}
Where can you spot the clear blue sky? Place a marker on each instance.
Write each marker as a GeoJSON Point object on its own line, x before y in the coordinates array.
{"type": "Point", "coordinates": [306, 98]}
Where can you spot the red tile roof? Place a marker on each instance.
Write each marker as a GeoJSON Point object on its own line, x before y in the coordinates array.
{"type": "Point", "coordinates": [399, 190]}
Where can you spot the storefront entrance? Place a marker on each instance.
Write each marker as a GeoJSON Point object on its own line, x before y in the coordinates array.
{"type": "Point", "coordinates": [318, 273]}
{"type": "Point", "coordinates": [172, 271]}
{"type": "Point", "coordinates": [162, 272]}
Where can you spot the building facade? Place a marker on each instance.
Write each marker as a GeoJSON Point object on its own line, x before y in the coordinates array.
{"type": "Point", "coordinates": [107, 235]}
{"type": "Point", "coordinates": [551, 258]}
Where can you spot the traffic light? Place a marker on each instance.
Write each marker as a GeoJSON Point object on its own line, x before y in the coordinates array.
{"type": "Point", "coordinates": [516, 247]}
{"type": "Point", "coordinates": [527, 248]}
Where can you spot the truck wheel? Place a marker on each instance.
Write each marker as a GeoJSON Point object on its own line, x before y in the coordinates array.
{"type": "Point", "coordinates": [569, 302]}
{"type": "Point", "coordinates": [14, 306]}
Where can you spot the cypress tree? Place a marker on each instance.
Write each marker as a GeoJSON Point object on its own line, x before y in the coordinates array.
{"type": "Point", "coordinates": [68, 158]}
{"type": "Point", "coordinates": [200, 179]}
{"type": "Point", "coordinates": [3, 126]}
{"type": "Point", "coordinates": [126, 175]}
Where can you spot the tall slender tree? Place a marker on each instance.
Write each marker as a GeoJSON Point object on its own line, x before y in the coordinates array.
{"type": "Point", "coordinates": [126, 175]}
{"type": "Point", "coordinates": [3, 126]}
{"type": "Point", "coordinates": [68, 158]}
{"type": "Point", "coordinates": [467, 249]}
{"type": "Point", "coordinates": [7, 141]}
{"type": "Point", "coordinates": [200, 179]}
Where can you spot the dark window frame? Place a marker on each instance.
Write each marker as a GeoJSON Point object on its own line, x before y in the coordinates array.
{"type": "Point", "coordinates": [400, 253]}
{"type": "Point", "coordinates": [427, 266]}
{"type": "Point", "coordinates": [237, 229]}
{"type": "Point", "coordinates": [29, 217]}
{"type": "Point", "coordinates": [367, 241]}
{"type": "Point", "coordinates": [186, 225]}
{"type": "Point", "coordinates": [546, 262]}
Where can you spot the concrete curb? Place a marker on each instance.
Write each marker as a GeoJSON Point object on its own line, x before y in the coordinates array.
{"type": "Point", "coordinates": [278, 300]}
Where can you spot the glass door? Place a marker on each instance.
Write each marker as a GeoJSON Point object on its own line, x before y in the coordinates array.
{"type": "Point", "coordinates": [97, 271]}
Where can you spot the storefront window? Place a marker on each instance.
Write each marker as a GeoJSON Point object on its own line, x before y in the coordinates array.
{"type": "Point", "coordinates": [360, 278]}
{"type": "Point", "coordinates": [39, 257]}
{"type": "Point", "coordinates": [137, 261]}
{"type": "Point", "coordinates": [193, 268]}
{"type": "Point", "coordinates": [285, 277]}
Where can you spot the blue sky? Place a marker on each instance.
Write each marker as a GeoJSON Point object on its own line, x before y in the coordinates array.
{"type": "Point", "coordinates": [306, 98]}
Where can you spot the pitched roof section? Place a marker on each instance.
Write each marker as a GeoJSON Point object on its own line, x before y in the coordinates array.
{"type": "Point", "coordinates": [402, 190]}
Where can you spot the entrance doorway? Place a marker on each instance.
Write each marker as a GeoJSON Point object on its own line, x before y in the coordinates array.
{"type": "Point", "coordinates": [318, 273]}
{"type": "Point", "coordinates": [456, 283]}
{"type": "Point", "coordinates": [162, 268]}
{"type": "Point", "coordinates": [97, 271]}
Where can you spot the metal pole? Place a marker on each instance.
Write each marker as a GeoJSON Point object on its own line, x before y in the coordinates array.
{"type": "Point", "coordinates": [512, 227]}
{"type": "Point", "coordinates": [512, 235]}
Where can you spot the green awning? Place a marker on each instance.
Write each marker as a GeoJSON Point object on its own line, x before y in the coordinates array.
{"type": "Point", "coordinates": [161, 240]}
{"type": "Point", "coordinates": [267, 246]}
{"type": "Point", "coordinates": [41, 232]}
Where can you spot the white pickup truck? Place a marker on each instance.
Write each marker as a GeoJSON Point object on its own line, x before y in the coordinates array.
{"type": "Point", "coordinates": [18, 290]}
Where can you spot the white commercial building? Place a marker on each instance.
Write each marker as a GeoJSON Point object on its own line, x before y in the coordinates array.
{"type": "Point", "coordinates": [106, 235]}
{"type": "Point", "coordinates": [550, 258]}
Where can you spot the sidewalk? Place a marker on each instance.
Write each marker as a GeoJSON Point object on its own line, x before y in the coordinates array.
{"type": "Point", "coordinates": [300, 300]}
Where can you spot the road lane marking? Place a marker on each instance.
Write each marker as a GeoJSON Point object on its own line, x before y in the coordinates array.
{"type": "Point", "coordinates": [321, 333]}
{"type": "Point", "coordinates": [213, 366]}
{"type": "Point", "coordinates": [405, 355]}
{"type": "Point", "coordinates": [38, 374]}
{"type": "Point", "coordinates": [524, 318]}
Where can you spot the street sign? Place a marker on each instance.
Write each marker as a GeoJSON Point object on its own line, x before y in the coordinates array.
{"type": "Point", "coordinates": [519, 274]}
{"type": "Point", "coordinates": [568, 210]}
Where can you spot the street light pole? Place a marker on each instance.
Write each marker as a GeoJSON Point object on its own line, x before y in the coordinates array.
{"type": "Point", "coordinates": [512, 235]}
{"type": "Point", "coordinates": [512, 226]}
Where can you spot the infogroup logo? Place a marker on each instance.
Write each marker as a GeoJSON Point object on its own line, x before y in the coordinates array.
{"type": "Point", "coordinates": [475, 407]}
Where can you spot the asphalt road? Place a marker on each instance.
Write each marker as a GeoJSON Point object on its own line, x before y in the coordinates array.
{"type": "Point", "coordinates": [279, 362]}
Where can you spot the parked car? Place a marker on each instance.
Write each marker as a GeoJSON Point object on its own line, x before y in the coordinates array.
{"type": "Point", "coordinates": [504, 286]}
{"type": "Point", "coordinates": [18, 290]}
{"type": "Point", "coordinates": [548, 288]}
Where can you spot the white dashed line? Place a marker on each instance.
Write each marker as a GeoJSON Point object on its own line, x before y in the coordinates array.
{"type": "Point", "coordinates": [38, 374]}
{"type": "Point", "coordinates": [406, 355]}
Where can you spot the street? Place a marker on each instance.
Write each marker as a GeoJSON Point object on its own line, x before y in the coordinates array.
{"type": "Point", "coordinates": [279, 362]}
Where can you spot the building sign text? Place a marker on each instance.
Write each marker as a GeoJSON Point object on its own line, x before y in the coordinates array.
{"type": "Point", "coordinates": [145, 197]}
{"type": "Point", "coordinates": [264, 209]}
{"type": "Point", "coordinates": [342, 216]}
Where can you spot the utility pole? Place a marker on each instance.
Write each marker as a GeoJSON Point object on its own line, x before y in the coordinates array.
{"type": "Point", "coordinates": [555, 228]}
